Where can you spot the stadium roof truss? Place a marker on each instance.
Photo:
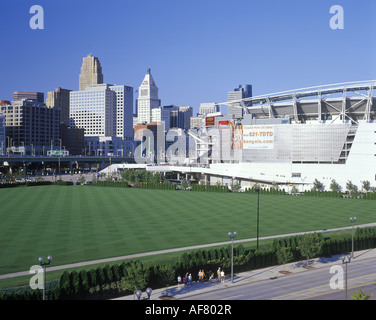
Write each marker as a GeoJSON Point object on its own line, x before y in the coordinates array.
{"type": "Point", "coordinates": [351, 101]}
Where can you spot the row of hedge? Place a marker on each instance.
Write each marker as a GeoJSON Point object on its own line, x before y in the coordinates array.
{"type": "Point", "coordinates": [339, 194]}
{"type": "Point", "coordinates": [35, 183]}
{"type": "Point", "coordinates": [108, 282]}
{"type": "Point", "coordinates": [274, 191]}
{"type": "Point", "coordinates": [315, 193]}
{"type": "Point", "coordinates": [25, 184]}
{"type": "Point", "coordinates": [369, 196]}
{"type": "Point", "coordinates": [158, 186]}
{"type": "Point", "coordinates": [208, 188]}
{"type": "Point", "coordinates": [218, 188]}
{"type": "Point", "coordinates": [63, 183]}
{"type": "Point", "coordinates": [116, 184]}
{"type": "Point", "coordinates": [26, 293]}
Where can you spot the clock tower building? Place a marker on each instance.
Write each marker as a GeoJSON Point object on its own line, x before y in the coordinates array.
{"type": "Point", "coordinates": [147, 99]}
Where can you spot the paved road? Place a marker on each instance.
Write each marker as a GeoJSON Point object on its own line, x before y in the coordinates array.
{"type": "Point", "coordinates": [269, 283]}
{"type": "Point", "coordinates": [312, 284]}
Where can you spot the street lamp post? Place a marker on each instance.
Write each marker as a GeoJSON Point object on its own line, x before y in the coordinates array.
{"type": "Point", "coordinates": [346, 260]}
{"type": "Point", "coordinates": [258, 214]}
{"type": "Point", "coordinates": [232, 236]}
{"type": "Point", "coordinates": [44, 264]}
{"type": "Point", "coordinates": [352, 221]}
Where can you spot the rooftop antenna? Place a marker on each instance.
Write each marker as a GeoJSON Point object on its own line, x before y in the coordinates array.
{"type": "Point", "coordinates": [90, 54]}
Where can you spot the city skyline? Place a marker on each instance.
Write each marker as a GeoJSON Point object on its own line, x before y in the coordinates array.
{"type": "Point", "coordinates": [198, 51]}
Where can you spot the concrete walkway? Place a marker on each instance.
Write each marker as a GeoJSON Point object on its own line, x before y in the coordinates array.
{"type": "Point", "coordinates": [185, 291]}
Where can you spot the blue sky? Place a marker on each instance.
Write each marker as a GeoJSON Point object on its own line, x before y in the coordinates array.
{"type": "Point", "coordinates": [197, 50]}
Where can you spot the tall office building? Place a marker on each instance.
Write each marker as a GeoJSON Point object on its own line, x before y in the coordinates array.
{"type": "Point", "coordinates": [167, 115]}
{"type": "Point", "coordinates": [4, 102]}
{"type": "Point", "coordinates": [94, 109]}
{"type": "Point", "coordinates": [30, 95]}
{"type": "Point", "coordinates": [124, 111]}
{"type": "Point", "coordinates": [184, 117]}
{"type": "Point", "coordinates": [147, 99]}
{"type": "Point", "coordinates": [124, 116]}
{"type": "Point", "coordinates": [32, 126]}
{"type": "Point", "coordinates": [91, 72]}
{"type": "Point", "coordinates": [173, 116]}
{"type": "Point", "coordinates": [196, 122]}
{"type": "Point", "coordinates": [156, 114]}
{"type": "Point", "coordinates": [154, 145]}
{"type": "Point", "coordinates": [72, 138]}
{"type": "Point", "coordinates": [206, 108]}
{"type": "Point", "coordinates": [106, 113]}
{"type": "Point", "coordinates": [242, 92]}
{"type": "Point", "coordinates": [60, 99]}
{"type": "Point", "coordinates": [2, 135]}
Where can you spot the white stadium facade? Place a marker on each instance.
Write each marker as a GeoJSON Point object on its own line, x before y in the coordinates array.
{"type": "Point", "coordinates": [287, 138]}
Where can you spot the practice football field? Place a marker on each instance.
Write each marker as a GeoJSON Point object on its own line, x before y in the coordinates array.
{"type": "Point", "coordinates": [82, 223]}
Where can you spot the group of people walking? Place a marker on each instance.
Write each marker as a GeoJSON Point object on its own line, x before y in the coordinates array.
{"type": "Point", "coordinates": [220, 275]}
{"type": "Point", "coordinates": [187, 279]}
{"type": "Point", "coordinates": [201, 276]}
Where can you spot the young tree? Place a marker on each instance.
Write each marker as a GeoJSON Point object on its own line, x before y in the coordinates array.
{"type": "Point", "coordinates": [334, 186]}
{"type": "Point", "coordinates": [359, 295]}
{"type": "Point", "coordinates": [124, 175]}
{"type": "Point", "coordinates": [94, 179]}
{"type": "Point", "coordinates": [309, 245]}
{"type": "Point", "coordinates": [235, 187]}
{"type": "Point", "coordinates": [317, 185]}
{"type": "Point", "coordinates": [157, 177]}
{"type": "Point", "coordinates": [274, 185]}
{"type": "Point", "coordinates": [137, 180]}
{"type": "Point", "coordinates": [136, 276]}
{"type": "Point", "coordinates": [184, 184]}
{"type": "Point", "coordinates": [352, 188]}
{"type": "Point", "coordinates": [81, 179]}
{"type": "Point", "coordinates": [284, 255]}
{"type": "Point", "coordinates": [294, 189]}
{"type": "Point", "coordinates": [366, 185]}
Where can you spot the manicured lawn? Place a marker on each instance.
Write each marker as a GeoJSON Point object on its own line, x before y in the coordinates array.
{"type": "Point", "coordinates": [80, 223]}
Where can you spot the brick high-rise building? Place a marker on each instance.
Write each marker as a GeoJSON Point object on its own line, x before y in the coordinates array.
{"type": "Point", "coordinates": [31, 125]}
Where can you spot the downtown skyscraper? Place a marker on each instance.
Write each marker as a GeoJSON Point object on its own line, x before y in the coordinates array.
{"type": "Point", "coordinates": [91, 72]}
{"type": "Point", "coordinates": [104, 111]}
{"type": "Point", "coordinates": [242, 92]}
{"type": "Point", "coordinates": [147, 99]}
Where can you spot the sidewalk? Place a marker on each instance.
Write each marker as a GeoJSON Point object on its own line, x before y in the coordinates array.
{"type": "Point", "coordinates": [184, 291]}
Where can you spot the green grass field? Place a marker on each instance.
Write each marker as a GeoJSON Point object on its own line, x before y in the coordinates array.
{"type": "Point", "coordinates": [81, 223]}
